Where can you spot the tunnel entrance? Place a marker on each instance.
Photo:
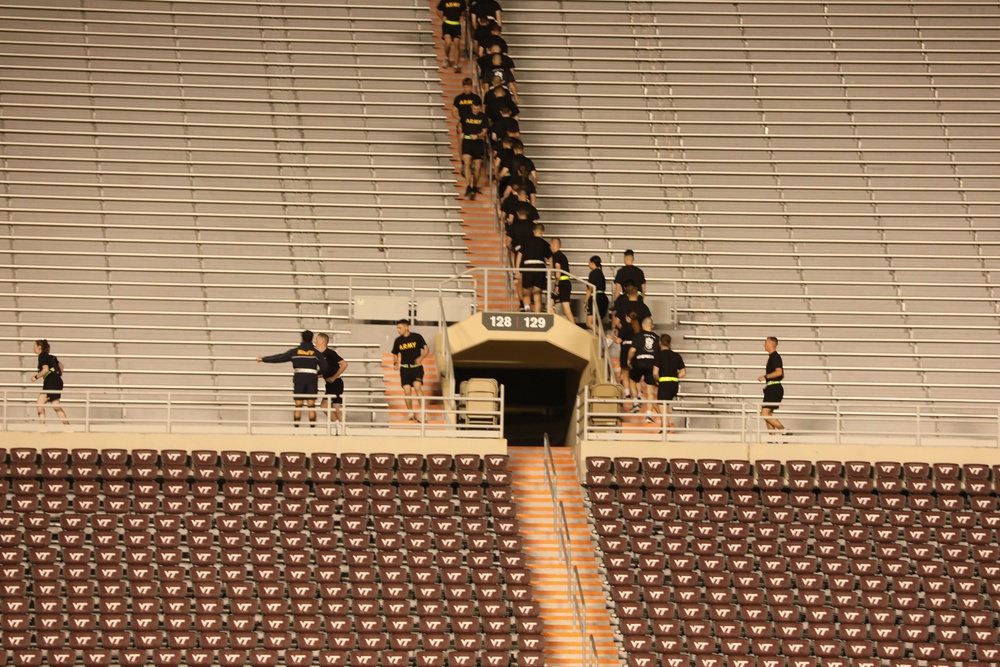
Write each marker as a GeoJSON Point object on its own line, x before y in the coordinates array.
{"type": "Point", "coordinates": [536, 401]}
{"type": "Point", "coordinates": [540, 360]}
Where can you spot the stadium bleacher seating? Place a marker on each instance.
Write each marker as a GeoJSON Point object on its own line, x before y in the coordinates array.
{"type": "Point", "coordinates": [198, 182]}
{"type": "Point", "coordinates": [812, 563]}
{"type": "Point", "coordinates": [256, 558]}
{"type": "Point", "coordinates": [819, 173]}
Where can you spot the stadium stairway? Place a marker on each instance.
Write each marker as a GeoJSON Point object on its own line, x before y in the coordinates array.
{"type": "Point", "coordinates": [483, 239]}
{"type": "Point", "coordinates": [538, 528]}
{"type": "Point", "coordinates": [398, 414]}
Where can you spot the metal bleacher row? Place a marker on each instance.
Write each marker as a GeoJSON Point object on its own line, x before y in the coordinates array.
{"type": "Point", "coordinates": [826, 173]}
{"type": "Point", "coordinates": [832, 564]}
{"type": "Point", "coordinates": [194, 182]}
{"type": "Point", "coordinates": [140, 557]}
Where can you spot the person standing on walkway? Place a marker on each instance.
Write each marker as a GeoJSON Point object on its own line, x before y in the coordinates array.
{"type": "Point", "coordinates": [774, 373]}
{"type": "Point", "coordinates": [334, 382]}
{"type": "Point", "coordinates": [307, 365]}
{"type": "Point", "coordinates": [668, 369]}
{"type": "Point", "coordinates": [408, 353]}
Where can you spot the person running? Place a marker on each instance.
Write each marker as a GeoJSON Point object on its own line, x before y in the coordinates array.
{"type": "Point", "coordinates": [474, 128]}
{"type": "Point", "coordinates": [50, 369]}
{"type": "Point", "coordinates": [563, 282]}
{"type": "Point", "coordinates": [774, 373]}
{"type": "Point", "coordinates": [307, 365]}
{"type": "Point", "coordinates": [641, 358]}
{"type": "Point", "coordinates": [408, 353]}
{"type": "Point", "coordinates": [597, 285]}
{"type": "Point", "coordinates": [334, 392]}
{"type": "Point", "coordinates": [668, 369]}
{"type": "Point", "coordinates": [452, 13]}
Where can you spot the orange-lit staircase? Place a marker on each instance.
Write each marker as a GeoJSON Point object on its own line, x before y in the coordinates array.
{"type": "Point", "coordinates": [536, 514]}
{"type": "Point", "coordinates": [398, 414]}
{"type": "Point", "coordinates": [483, 236]}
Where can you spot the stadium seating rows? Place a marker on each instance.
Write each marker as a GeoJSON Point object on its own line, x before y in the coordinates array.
{"type": "Point", "coordinates": [797, 564]}
{"type": "Point", "coordinates": [237, 558]}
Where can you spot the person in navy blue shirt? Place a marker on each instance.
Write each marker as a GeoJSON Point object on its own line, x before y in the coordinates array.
{"type": "Point", "coordinates": [307, 365]}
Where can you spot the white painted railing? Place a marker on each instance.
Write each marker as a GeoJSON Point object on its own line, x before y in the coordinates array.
{"type": "Point", "coordinates": [834, 422]}
{"type": "Point", "coordinates": [247, 413]}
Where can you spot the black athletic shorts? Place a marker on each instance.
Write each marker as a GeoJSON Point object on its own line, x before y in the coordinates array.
{"type": "Point", "coordinates": [643, 373]}
{"type": "Point", "coordinates": [563, 290]}
{"type": "Point", "coordinates": [623, 357]}
{"type": "Point", "coordinates": [451, 30]}
{"type": "Point", "coordinates": [602, 306]}
{"type": "Point", "coordinates": [773, 394]}
{"type": "Point", "coordinates": [335, 390]}
{"type": "Point", "coordinates": [305, 385]}
{"type": "Point", "coordinates": [52, 386]}
{"type": "Point", "coordinates": [667, 391]}
{"type": "Point", "coordinates": [531, 279]}
{"type": "Point", "coordinates": [474, 147]}
{"type": "Point", "coordinates": [407, 376]}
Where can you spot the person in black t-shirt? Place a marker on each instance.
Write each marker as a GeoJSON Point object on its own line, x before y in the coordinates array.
{"type": "Point", "coordinates": [506, 185]}
{"type": "Point", "coordinates": [473, 148]}
{"type": "Point", "coordinates": [488, 8]}
{"type": "Point", "coordinates": [501, 154]}
{"type": "Point", "coordinates": [596, 278]}
{"type": "Point", "coordinates": [452, 13]}
{"type": "Point", "coordinates": [517, 199]}
{"type": "Point", "coordinates": [307, 365]}
{"type": "Point", "coordinates": [408, 353]}
{"type": "Point", "coordinates": [482, 28]}
{"type": "Point", "coordinates": [498, 66]}
{"type": "Point", "coordinates": [50, 369]}
{"type": "Point", "coordinates": [499, 92]}
{"type": "Point", "coordinates": [535, 254]}
{"type": "Point", "coordinates": [504, 126]}
{"type": "Point", "coordinates": [489, 36]}
{"type": "Point", "coordinates": [464, 102]}
{"type": "Point", "coordinates": [630, 272]}
{"type": "Point", "coordinates": [628, 307]}
{"type": "Point", "coordinates": [502, 107]}
{"type": "Point", "coordinates": [641, 359]}
{"type": "Point", "coordinates": [334, 392]}
{"type": "Point", "coordinates": [563, 283]}
{"type": "Point", "coordinates": [668, 369]}
{"type": "Point", "coordinates": [520, 160]}
{"type": "Point", "coordinates": [774, 373]}
{"type": "Point", "coordinates": [519, 231]}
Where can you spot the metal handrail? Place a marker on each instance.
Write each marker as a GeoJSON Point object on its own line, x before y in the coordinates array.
{"type": "Point", "coordinates": [249, 412]}
{"type": "Point", "coordinates": [574, 588]}
{"type": "Point", "coordinates": [810, 422]}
